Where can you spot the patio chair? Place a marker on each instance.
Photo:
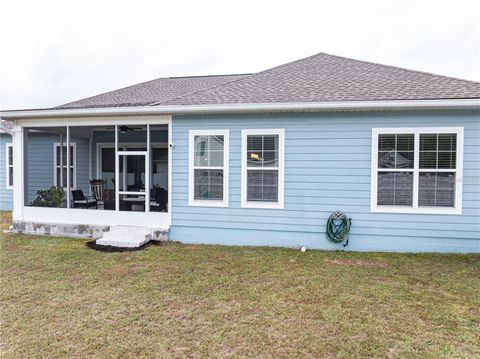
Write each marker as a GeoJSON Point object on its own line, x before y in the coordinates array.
{"type": "Point", "coordinates": [161, 199]}
{"type": "Point", "coordinates": [80, 201]}
{"type": "Point", "coordinates": [98, 190]}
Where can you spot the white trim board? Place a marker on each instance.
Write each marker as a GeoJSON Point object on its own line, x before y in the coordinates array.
{"type": "Point", "coordinates": [415, 208]}
{"type": "Point", "coordinates": [281, 169]}
{"type": "Point", "coordinates": [452, 104]}
{"type": "Point", "coordinates": [225, 168]}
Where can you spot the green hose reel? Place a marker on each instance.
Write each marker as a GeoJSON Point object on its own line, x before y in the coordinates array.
{"type": "Point", "coordinates": [338, 227]}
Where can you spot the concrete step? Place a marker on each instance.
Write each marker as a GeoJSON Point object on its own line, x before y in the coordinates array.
{"type": "Point", "coordinates": [129, 229]}
{"type": "Point", "coordinates": [125, 237]}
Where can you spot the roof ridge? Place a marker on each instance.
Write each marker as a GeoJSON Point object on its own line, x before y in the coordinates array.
{"type": "Point", "coordinates": [401, 68]}
{"type": "Point", "coordinates": [236, 80]}
{"type": "Point", "coordinates": [194, 76]}
{"type": "Point", "coordinates": [195, 92]}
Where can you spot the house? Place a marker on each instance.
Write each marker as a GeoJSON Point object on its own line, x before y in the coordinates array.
{"type": "Point", "coordinates": [259, 159]}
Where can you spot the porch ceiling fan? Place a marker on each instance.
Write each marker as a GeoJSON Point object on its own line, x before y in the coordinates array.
{"type": "Point", "coordinates": [125, 129]}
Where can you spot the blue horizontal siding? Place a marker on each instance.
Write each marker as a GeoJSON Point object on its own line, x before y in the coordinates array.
{"type": "Point", "coordinates": [6, 194]}
{"type": "Point", "coordinates": [327, 168]}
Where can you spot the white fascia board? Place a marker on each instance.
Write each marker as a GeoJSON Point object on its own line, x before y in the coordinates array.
{"type": "Point", "coordinates": [453, 104]}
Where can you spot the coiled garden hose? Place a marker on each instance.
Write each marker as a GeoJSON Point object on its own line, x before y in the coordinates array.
{"type": "Point", "coordinates": [338, 227]}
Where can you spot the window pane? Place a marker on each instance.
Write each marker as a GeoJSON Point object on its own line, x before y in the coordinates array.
{"type": "Point", "coordinates": [262, 185]}
{"type": "Point", "coordinates": [428, 159]}
{"type": "Point", "coordinates": [262, 150]}
{"type": "Point", "coordinates": [209, 151]}
{"type": "Point", "coordinates": [59, 183]}
{"type": "Point", "coordinates": [255, 143]}
{"type": "Point", "coordinates": [270, 158]}
{"type": "Point", "coordinates": [10, 176]}
{"type": "Point", "coordinates": [10, 155]}
{"type": "Point", "coordinates": [428, 142]}
{"type": "Point", "coordinates": [270, 143]}
{"type": "Point", "coordinates": [64, 155]}
{"type": "Point", "coordinates": [404, 160]}
{"type": "Point", "coordinates": [447, 142]}
{"type": "Point", "coordinates": [208, 184]}
{"type": "Point", "coordinates": [405, 142]}
{"type": "Point", "coordinates": [72, 179]}
{"type": "Point", "coordinates": [108, 160]}
{"type": "Point", "coordinates": [395, 188]}
{"type": "Point", "coordinates": [386, 143]}
{"type": "Point", "coordinates": [436, 189]}
{"type": "Point", "coordinates": [386, 159]}
{"type": "Point", "coordinates": [64, 173]}
{"type": "Point", "coordinates": [215, 158]}
{"type": "Point", "coordinates": [395, 151]}
{"type": "Point", "coordinates": [447, 159]}
{"type": "Point", "coordinates": [438, 151]}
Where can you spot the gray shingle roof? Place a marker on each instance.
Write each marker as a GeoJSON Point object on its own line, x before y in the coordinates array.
{"type": "Point", "coordinates": [325, 78]}
{"type": "Point", "coordinates": [318, 78]}
{"type": "Point", "coordinates": [145, 93]}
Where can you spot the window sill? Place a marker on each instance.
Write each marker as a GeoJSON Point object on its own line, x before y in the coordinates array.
{"type": "Point", "coordinates": [411, 210]}
{"type": "Point", "coordinates": [207, 203]}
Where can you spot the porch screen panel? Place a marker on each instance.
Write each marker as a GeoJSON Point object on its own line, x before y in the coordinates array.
{"type": "Point", "coordinates": [45, 167]}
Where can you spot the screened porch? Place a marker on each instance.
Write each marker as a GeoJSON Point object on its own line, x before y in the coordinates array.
{"type": "Point", "coordinates": [121, 168]}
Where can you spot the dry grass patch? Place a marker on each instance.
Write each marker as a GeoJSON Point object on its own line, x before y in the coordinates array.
{"type": "Point", "coordinates": [5, 219]}
{"type": "Point", "coordinates": [356, 262]}
{"type": "Point", "coordinates": [62, 299]}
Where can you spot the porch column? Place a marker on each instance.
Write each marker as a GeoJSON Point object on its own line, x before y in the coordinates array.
{"type": "Point", "coordinates": [147, 172]}
{"type": "Point", "coordinates": [20, 166]}
{"type": "Point", "coordinates": [69, 180]}
{"type": "Point", "coordinates": [117, 172]}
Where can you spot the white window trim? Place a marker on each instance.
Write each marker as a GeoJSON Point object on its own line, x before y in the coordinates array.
{"type": "Point", "coordinates": [457, 209]}
{"type": "Point", "coordinates": [191, 162]}
{"type": "Point", "coordinates": [8, 166]}
{"type": "Point", "coordinates": [281, 168]}
{"type": "Point", "coordinates": [74, 165]}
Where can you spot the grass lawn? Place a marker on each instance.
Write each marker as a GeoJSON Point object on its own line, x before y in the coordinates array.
{"type": "Point", "coordinates": [60, 299]}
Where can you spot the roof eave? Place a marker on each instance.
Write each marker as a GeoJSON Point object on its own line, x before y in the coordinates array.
{"type": "Point", "coordinates": [384, 105]}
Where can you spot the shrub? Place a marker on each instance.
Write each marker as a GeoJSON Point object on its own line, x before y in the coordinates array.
{"type": "Point", "coordinates": [51, 197]}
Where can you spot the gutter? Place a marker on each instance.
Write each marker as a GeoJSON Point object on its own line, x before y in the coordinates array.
{"type": "Point", "coordinates": [390, 105]}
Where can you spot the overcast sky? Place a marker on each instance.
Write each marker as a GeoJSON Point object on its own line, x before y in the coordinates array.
{"type": "Point", "coordinates": [54, 52]}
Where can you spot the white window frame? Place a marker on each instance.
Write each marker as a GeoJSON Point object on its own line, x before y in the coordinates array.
{"type": "Point", "coordinates": [191, 168]}
{"type": "Point", "coordinates": [73, 181]}
{"type": "Point", "coordinates": [417, 131]}
{"type": "Point", "coordinates": [8, 166]}
{"type": "Point", "coordinates": [281, 168]}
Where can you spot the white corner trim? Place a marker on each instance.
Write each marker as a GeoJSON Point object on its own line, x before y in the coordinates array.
{"type": "Point", "coordinates": [281, 169]}
{"type": "Point", "coordinates": [8, 185]}
{"type": "Point", "coordinates": [191, 167]}
{"type": "Point", "coordinates": [460, 104]}
{"type": "Point", "coordinates": [416, 131]}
